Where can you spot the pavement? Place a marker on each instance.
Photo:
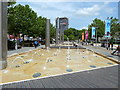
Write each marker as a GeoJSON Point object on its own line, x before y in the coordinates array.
{"type": "Point", "coordinates": [99, 78]}
{"type": "Point", "coordinates": [102, 50]}
{"type": "Point", "coordinates": [96, 48]}
{"type": "Point", "coordinates": [23, 49]}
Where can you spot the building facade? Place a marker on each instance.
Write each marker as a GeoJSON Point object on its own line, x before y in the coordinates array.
{"type": "Point", "coordinates": [61, 25]}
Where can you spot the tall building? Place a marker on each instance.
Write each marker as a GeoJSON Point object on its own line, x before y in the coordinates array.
{"type": "Point", "coordinates": [61, 26]}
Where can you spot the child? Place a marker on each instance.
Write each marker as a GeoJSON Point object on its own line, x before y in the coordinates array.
{"type": "Point", "coordinates": [36, 44]}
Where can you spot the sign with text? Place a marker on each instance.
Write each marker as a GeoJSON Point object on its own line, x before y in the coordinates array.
{"type": "Point", "coordinates": [82, 36]}
{"type": "Point", "coordinates": [86, 34]}
{"type": "Point", "coordinates": [107, 27]}
{"type": "Point", "coordinates": [93, 32]}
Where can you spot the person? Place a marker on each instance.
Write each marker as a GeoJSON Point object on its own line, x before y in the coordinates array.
{"type": "Point", "coordinates": [117, 49]}
{"type": "Point", "coordinates": [36, 44]}
{"type": "Point", "coordinates": [111, 43]}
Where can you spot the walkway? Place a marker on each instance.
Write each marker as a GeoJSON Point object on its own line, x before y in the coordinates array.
{"type": "Point", "coordinates": [100, 78]}
{"type": "Point", "coordinates": [102, 51]}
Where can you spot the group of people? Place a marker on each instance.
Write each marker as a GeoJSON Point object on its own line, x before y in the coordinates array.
{"type": "Point", "coordinates": [110, 46]}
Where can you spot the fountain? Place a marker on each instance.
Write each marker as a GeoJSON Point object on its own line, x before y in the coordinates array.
{"type": "Point", "coordinates": [59, 49]}
{"type": "Point", "coordinates": [18, 58]}
{"type": "Point", "coordinates": [5, 71]}
{"type": "Point", "coordinates": [68, 60]}
{"type": "Point", "coordinates": [45, 65]}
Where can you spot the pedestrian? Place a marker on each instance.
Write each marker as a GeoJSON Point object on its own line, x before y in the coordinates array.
{"type": "Point", "coordinates": [111, 43]}
{"type": "Point", "coordinates": [117, 49]}
{"type": "Point", "coordinates": [36, 44]}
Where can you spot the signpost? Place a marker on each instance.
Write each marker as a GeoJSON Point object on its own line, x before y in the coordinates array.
{"type": "Point", "coordinates": [107, 29]}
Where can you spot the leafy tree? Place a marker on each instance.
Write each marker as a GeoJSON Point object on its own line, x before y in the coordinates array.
{"type": "Point", "coordinates": [72, 34]}
{"type": "Point", "coordinates": [65, 37]}
{"type": "Point", "coordinates": [100, 27]}
{"type": "Point", "coordinates": [11, 3]}
{"type": "Point", "coordinates": [115, 28]}
{"type": "Point", "coordinates": [21, 19]}
{"type": "Point", "coordinates": [52, 31]}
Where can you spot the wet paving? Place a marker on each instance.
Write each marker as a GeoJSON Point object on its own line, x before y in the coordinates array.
{"type": "Point", "coordinates": [42, 63]}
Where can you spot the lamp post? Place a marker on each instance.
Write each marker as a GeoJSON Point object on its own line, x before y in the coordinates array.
{"type": "Point", "coordinates": [96, 35]}
{"type": "Point", "coordinates": [107, 28]}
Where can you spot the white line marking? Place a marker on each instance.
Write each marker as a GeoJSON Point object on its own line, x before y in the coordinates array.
{"type": "Point", "coordinates": [59, 74]}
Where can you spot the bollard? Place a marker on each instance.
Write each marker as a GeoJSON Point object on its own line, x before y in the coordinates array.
{"type": "Point", "coordinates": [47, 38]}
{"type": "Point", "coordinates": [3, 35]}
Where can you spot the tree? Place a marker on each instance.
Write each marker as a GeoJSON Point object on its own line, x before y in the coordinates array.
{"type": "Point", "coordinates": [65, 37]}
{"type": "Point", "coordinates": [100, 27]}
{"type": "Point", "coordinates": [52, 31]}
{"type": "Point", "coordinates": [72, 34]}
{"type": "Point", "coordinates": [115, 28]}
{"type": "Point", "coordinates": [21, 19]}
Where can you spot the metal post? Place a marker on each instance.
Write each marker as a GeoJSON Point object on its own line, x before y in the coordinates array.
{"type": "Point", "coordinates": [57, 30]}
{"type": "Point", "coordinates": [3, 35]}
{"type": "Point", "coordinates": [47, 44]}
{"type": "Point", "coordinates": [96, 37]}
{"type": "Point", "coordinates": [57, 35]}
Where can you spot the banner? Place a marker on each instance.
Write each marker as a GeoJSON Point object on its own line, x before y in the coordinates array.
{"type": "Point", "coordinates": [86, 34]}
{"type": "Point", "coordinates": [107, 27]}
{"type": "Point", "coordinates": [93, 32]}
{"type": "Point", "coordinates": [82, 36]}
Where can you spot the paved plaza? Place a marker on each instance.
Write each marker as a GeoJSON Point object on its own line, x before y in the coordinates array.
{"type": "Point", "coordinates": [86, 77]}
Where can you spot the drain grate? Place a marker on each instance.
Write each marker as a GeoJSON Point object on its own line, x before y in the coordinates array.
{"type": "Point", "coordinates": [26, 62]}
{"type": "Point", "coordinates": [69, 70]}
{"type": "Point", "coordinates": [110, 56]}
{"type": "Point", "coordinates": [83, 57]}
{"type": "Point", "coordinates": [17, 66]}
{"type": "Point", "coordinates": [93, 66]}
{"type": "Point", "coordinates": [36, 75]}
{"type": "Point", "coordinates": [110, 63]}
{"type": "Point", "coordinates": [51, 60]}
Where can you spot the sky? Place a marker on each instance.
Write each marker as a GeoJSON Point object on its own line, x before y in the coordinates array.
{"type": "Point", "coordinates": [80, 14]}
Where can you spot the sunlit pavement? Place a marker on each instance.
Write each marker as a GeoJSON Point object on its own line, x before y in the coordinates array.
{"type": "Point", "coordinates": [102, 51]}
{"type": "Point", "coordinates": [41, 63]}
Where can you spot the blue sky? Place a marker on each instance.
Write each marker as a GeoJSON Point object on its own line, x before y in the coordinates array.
{"type": "Point", "coordinates": [80, 14]}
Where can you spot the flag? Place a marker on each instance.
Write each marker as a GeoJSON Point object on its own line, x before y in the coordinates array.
{"type": "Point", "coordinates": [86, 34]}
{"type": "Point", "coordinates": [82, 36]}
{"type": "Point", "coordinates": [93, 32]}
{"type": "Point", "coordinates": [107, 27]}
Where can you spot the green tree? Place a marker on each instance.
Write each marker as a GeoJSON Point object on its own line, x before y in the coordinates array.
{"type": "Point", "coordinates": [65, 37]}
{"type": "Point", "coordinates": [72, 34]}
{"type": "Point", "coordinates": [21, 19]}
{"type": "Point", "coordinates": [99, 25]}
{"type": "Point", "coordinates": [115, 28]}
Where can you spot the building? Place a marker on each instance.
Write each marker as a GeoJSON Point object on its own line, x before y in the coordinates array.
{"type": "Point", "coordinates": [61, 26]}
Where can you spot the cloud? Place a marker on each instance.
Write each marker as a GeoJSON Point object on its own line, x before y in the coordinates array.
{"type": "Point", "coordinates": [89, 11]}
{"type": "Point", "coordinates": [83, 28]}
{"type": "Point", "coordinates": [65, 0]}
